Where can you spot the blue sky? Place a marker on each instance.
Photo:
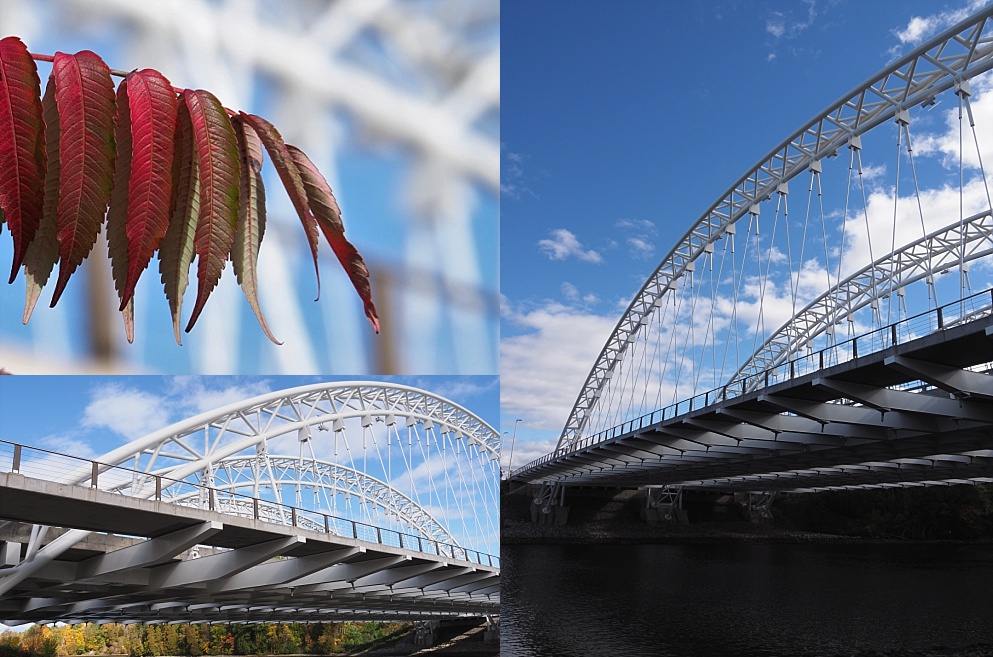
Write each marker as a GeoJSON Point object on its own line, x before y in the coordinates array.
{"type": "Point", "coordinates": [620, 126]}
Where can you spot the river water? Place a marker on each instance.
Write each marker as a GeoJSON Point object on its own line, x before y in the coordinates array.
{"type": "Point", "coordinates": [746, 600]}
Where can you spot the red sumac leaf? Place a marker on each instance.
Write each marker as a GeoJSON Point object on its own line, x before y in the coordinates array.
{"type": "Point", "coordinates": [288, 173]}
{"type": "Point", "coordinates": [325, 208]}
{"type": "Point", "coordinates": [153, 106]}
{"type": "Point", "coordinates": [22, 146]}
{"type": "Point", "coordinates": [176, 249]}
{"type": "Point", "coordinates": [84, 94]}
{"type": "Point", "coordinates": [217, 161]}
{"type": "Point", "coordinates": [43, 252]}
{"type": "Point", "coordinates": [117, 214]}
{"type": "Point", "coordinates": [251, 218]}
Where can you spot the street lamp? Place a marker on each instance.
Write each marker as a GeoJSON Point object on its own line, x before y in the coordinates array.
{"type": "Point", "coordinates": [512, 441]}
{"type": "Point", "coordinates": [502, 471]}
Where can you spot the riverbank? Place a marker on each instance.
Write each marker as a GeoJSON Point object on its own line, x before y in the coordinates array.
{"type": "Point", "coordinates": [612, 516]}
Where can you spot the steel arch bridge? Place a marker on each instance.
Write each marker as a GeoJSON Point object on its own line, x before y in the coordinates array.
{"type": "Point", "coordinates": [756, 339]}
{"type": "Point", "coordinates": [361, 500]}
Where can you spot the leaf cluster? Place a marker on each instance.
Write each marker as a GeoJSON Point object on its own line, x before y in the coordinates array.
{"type": "Point", "coordinates": [169, 171]}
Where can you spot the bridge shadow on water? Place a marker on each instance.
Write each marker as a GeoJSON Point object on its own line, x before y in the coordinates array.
{"type": "Point", "coordinates": [821, 600]}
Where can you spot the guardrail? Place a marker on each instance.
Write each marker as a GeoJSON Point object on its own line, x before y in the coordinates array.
{"type": "Point", "coordinates": [958, 312]}
{"type": "Point", "coordinates": [53, 466]}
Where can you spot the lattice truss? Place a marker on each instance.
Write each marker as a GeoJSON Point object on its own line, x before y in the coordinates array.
{"type": "Point", "coordinates": [382, 455]}
{"type": "Point", "coordinates": [402, 96]}
{"type": "Point", "coordinates": [877, 209]}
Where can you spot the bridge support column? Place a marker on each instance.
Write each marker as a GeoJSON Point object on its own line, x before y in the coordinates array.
{"type": "Point", "coordinates": [664, 504]}
{"type": "Point", "coordinates": [757, 506]}
{"type": "Point", "coordinates": [10, 554]}
{"type": "Point", "coordinates": [548, 506]}
{"type": "Point", "coordinates": [492, 633]}
{"type": "Point", "coordinates": [425, 633]}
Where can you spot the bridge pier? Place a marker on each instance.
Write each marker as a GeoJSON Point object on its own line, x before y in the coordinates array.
{"type": "Point", "coordinates": [757, 506]}
{"type": "Point", "coordinates": [426, 633]}
{"type": "Point", "coordinates": [664, 504]}
{"type": "Point", "coordinates": [492, 633]}
{"type": "Point", "coordinates": [548, 506]}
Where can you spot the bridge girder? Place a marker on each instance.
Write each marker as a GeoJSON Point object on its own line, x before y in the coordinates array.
{"type": "Point", "coordinates": [258, 572]}
{"type": "Point", "coordinates": [914, 413]}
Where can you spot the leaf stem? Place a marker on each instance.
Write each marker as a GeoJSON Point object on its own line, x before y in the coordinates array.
{"type": "Point", "coordinates": [121, 74]}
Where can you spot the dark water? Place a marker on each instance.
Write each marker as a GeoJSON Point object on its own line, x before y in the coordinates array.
{"type": "Point", "coordinates": [746, 600]}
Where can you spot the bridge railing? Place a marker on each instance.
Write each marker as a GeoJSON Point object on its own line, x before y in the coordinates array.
{"type": "Point", "coordinates": [53, 466]}
{"type": "Point", "coordinates": [958, 312]}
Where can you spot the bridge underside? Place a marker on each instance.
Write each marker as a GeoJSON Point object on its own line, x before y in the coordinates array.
{"type": "Point", "coordinates": [917, 413]}
{"type": "Point", "coordinates": [142, 567]}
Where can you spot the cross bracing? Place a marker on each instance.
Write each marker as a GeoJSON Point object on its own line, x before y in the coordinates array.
{"type": "Point", "coordinates": [329, 479]}
{"type": "Point", "coordinates": [750, 286]}
{"type": "Point", "coordinates": [139, 561]}
{"type": "Point", "coordinates": [885, 277]}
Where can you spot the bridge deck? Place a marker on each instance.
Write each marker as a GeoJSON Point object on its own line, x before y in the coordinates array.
{"type": "Point", "coordinates": [906, 415]}
{"type": "Point", "coordinates": [255, 571]}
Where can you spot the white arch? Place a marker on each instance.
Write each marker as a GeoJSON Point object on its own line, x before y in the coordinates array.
{"type": "Point", "coordinates": [291, 471]}
{"type": "Point", "coordinates": [957, 54]}
{"type": "Point", "coordinates": [914, 262]}
{"type": "Point", "coordinates": [203, 445]}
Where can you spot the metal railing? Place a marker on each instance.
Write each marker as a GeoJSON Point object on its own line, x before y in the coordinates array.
{"type": "Point", "coordinates": [964, 310]}
{"type": "Point", "coordinates": [52, 466]}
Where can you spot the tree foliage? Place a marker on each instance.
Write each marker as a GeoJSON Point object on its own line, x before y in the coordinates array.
{"type": "Point", "coordinates": [936, 512]}
{"type": "Point", "coordinates": [169, 171]}
{"type": "Point", "coordinates": [201, 639]}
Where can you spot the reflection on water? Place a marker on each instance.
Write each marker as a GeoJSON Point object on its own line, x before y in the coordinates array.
{"type": "Point", "coordinates": [748, 600]}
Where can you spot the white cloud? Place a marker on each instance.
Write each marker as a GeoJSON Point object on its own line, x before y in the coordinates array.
{"type": "Point", "coordinates": [129, 413]}
{"type": "Point", "coordinates": [197, 394]}
{"type": "Point", "coordinates": [786, 25]}
{"type": "Point", "coordinates": [573, 295]}
{"type": "Point", "coordinates": [564, 244]}
{"type": "Point", "coordinates": [514, 176]}
{"type": "Point", "coordinates": [643, 225]}
{"type": "Point", "coordinates": [920, 28]}
{"type": "Point", "coordinates": [946, 144]}
{"type": "Point", "coordinates": [543, 369]}
{"type": "Point", "coordinates": [640, 247]}
{"type": "Point", "coordinates": [775, 25]}
{"type": "Point", "coordinates": [639, 233]}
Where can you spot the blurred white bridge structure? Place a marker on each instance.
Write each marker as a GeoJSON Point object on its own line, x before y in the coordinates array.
{"type": "Point", "coordinates": [356, 501]}
{"type": "Point", "coordinates": [846, 344]}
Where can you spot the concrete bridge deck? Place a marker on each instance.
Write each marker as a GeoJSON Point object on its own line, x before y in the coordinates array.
{"type": "Point", "coordinates": [145, 570]}
{"type": "Point", "coordinates": [912, 413]}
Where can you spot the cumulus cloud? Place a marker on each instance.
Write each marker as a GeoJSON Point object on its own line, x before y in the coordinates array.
{"type": "Point", "coordinates": [197, 394]}
{"type": "Point", "coordinates": [546, 363]}
{"type": "Point", "coordinates": [133, 413]}
{"type": "Point", "coordinates": [945, 144]}
{"type": "Point", "coordinates": [127, 412]}
{"type": "Point", "coordinates": [920, 28]}
{"type": "Point", "coordinates": [563, 244]}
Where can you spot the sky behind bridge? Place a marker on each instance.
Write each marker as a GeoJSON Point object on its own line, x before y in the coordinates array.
{"type": "Point", "coordinates": [620, 127]}
{"type": "Point", "coordinates": [87, 416]}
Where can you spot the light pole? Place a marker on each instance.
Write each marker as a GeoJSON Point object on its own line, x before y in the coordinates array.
{"type": "Point", "coordinates": [502, 471]}
{"type": "Point", "coordinates": [512, 441]}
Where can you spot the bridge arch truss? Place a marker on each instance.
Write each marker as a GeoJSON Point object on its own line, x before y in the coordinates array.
{"type": "Point", "coordinates": [730, 299]}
